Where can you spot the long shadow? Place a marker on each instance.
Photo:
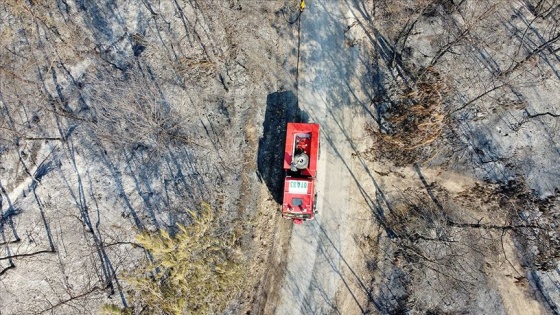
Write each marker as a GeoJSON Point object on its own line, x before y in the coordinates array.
{"type": "Point", "coordinates": [483, 152]}
{"type": "Point", "coordinates": [281, 108]}
{"type": "Point", "coordinates": [347, 280]}
{"type": "Point", "coordinates": [90, 225]}
{"type": "Point", "coordinates": [6, 216]}
{"type": "Point", "coordinates": [377, 206]}
{"type": "Point", "coordinates": [42, 170]}
{"type": "Point", "coordinates": [117, 177]}
{"type": "Point", "coordinates": [428, 187]}
{"type": "Point", "coordinates": [97, 17]}
{"type": "Point", "coordinates": [531, 44]}
{"type": "Point", "coordinates": [12, 211]}
{"type": "Point", "coordinates": [188, 182]}
{"type": "Point", "coordinates": [108, 268]}
{"type": "Point", "coordinates": [143, 188]}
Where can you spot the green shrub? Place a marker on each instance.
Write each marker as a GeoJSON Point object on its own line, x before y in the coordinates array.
{"type": "Point", "coordinates": [196, 271]}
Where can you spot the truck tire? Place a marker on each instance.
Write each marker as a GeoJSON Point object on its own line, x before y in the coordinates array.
{"type": "Point", "coordinates": [315, 211]}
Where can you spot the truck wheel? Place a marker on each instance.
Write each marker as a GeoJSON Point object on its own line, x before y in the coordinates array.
{"type": "Point", "coordinates": [315, 205]}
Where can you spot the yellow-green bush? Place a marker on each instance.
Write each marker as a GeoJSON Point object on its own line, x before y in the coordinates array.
{"type": "Point", "coordinates": [196, 271]}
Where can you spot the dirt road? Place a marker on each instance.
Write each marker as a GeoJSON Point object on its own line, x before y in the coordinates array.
{"type": "Point", "coordinates": [320, 275]}
{"type": "Point", "coordinates": [325, 264]}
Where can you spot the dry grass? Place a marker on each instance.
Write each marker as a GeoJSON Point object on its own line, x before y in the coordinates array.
{"type": "Point", "coordinates": [135, 113]}
{"type": "Point", "coordinates": [414, 121]}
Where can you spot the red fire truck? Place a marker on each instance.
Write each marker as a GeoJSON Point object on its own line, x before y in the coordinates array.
{"type": "Point", "coordinates": [300, 165]}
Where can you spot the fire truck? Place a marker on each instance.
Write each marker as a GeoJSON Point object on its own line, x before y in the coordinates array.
{"type": "Point", "coordinates": [300, 165]}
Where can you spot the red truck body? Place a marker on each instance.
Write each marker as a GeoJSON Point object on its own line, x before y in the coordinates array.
{"type": "Point", "coordinates": [300, 165]}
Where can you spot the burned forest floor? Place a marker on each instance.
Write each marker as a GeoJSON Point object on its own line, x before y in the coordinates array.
{"type": "Point", "coordinates": [141, 147]}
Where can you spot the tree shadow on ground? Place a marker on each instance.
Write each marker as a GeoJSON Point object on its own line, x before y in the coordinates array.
{"type": "Point", "coordinates": [281, 108]}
